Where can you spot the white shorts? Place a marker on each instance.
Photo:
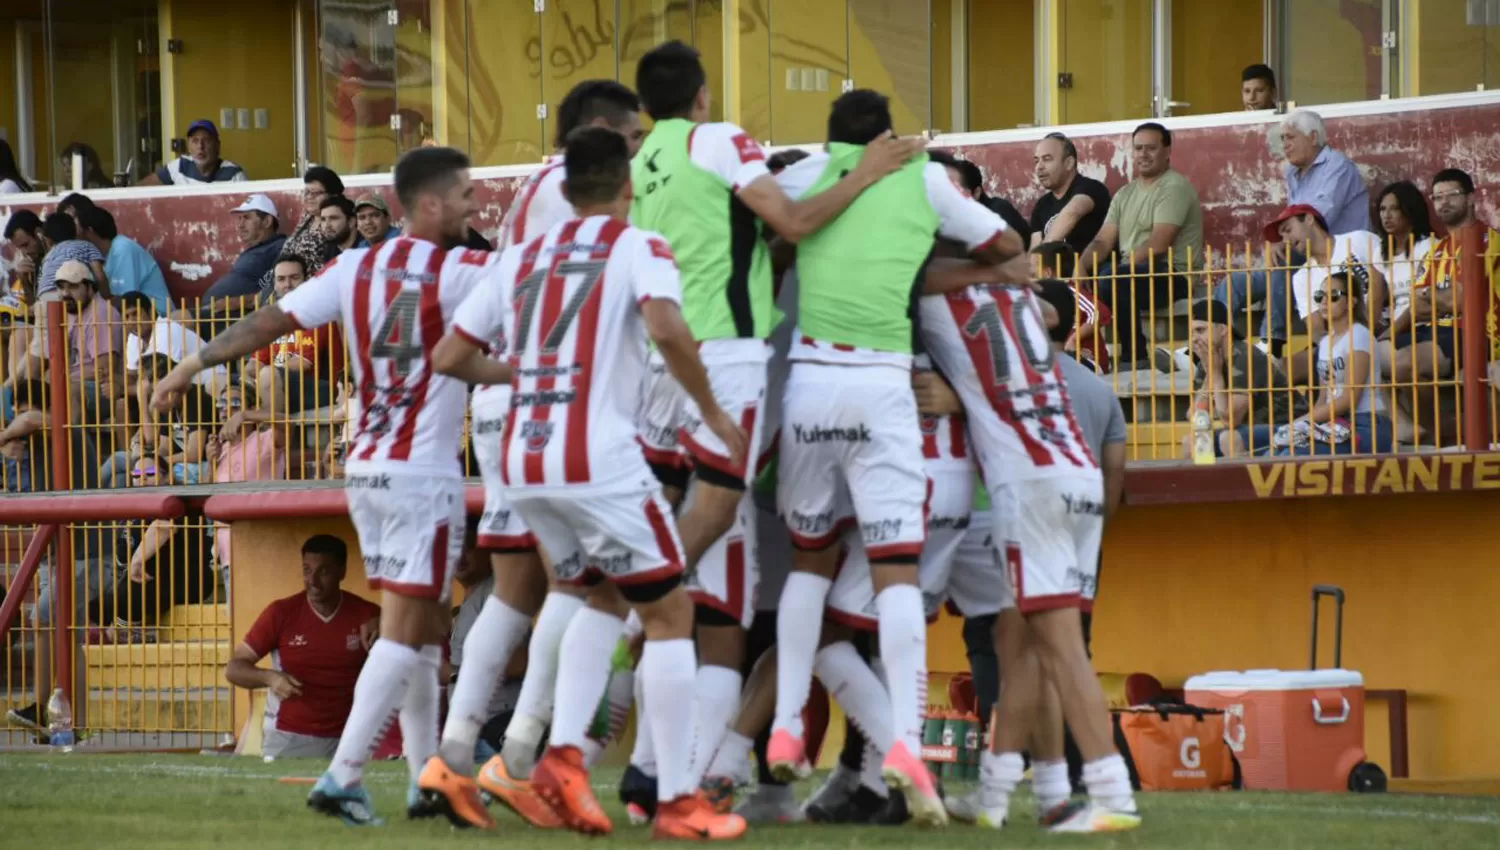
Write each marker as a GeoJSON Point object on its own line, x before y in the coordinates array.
{"type": "Point", "coordinates": [500, 528]}
{"type": "Point", "coordinates": [1049, 531]}
{"type": "Point", "coordinates": [727, 577]}
{"type": "Point", "coordinates": [978, 587]}
{"type": "Point", "coordinates": [852, 434]}
{"type": "Point", "coordinates": [627, 537]}
{"type": "Point", "coordinates": [411, 530]}
{"type": "Point", "coordinates": [671, 426]}
{"type": "Point", "coordinates": [851, 600]}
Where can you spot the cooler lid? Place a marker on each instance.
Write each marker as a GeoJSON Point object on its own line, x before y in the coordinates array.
{"type": "Point", "coordinates": [1275, 680]}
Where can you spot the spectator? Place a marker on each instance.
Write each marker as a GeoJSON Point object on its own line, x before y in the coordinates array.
{"type": "Point", "coordinates": [60, 232]}
{"type": "Point", "coordinates": [1427, 342]}
{"type": "Point", "coordinates": [247, 448]}
{"type": "Point", "coordinates": [297, 371]}
{"type": "Point", "coordinates": [373, 217]}
{"type": "Point", "coordinates": [1350, 414]}
{"type": "Point", "coordinates": [201, 164]}
{"type": "Point", "coordinates": [129, 267]}
{"type": "Point", "coordinates": [93, 170]}
{"type": "Point", "coordinates": [74, 203]}
{"type": "Point", "coordinates": [318, 185]}
{"type": "Point", "coordinates": [1152, 236]}
{"type": "Point", "coordinates": [1258, 88]}
{"type": "Point", "coordinates": [255, 221]}
{"type": "Point", "coordinates": [1238, 384]}
{"type": "Point", "coordinates": [1056, 259]}
{"type": "Point", "coordinates": [1407, 239]}
{"type": "Point", "coordinates": [96, 341]}
{"type": "Point", "coordinates": [22, 440]}
{"type": "Point", "coordinates": [336, 218]}
{"type": "Point", "coordinates": [1303, 229]}
{"type": "Point", "coordinates": [970, 180]}
{"type": "Point", "coordinates": [345, 417]}
{"type": "Point", "coordinates": [23, 230]}
{"type": "Point", "coordinates": [1074, 206]}
{"type": "Point", "coordinates": [156, 341]}
{"type": "Point", "coordinates": [12, 181]}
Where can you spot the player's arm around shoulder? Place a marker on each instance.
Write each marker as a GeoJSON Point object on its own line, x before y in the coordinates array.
{"type": "Point", "coordinates": [480, 318]}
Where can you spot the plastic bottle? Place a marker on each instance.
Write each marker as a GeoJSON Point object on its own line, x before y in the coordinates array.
{"type": "Point", "coordinates": [60, 721]}
{"type": "Point", "coordinates": [1203, 435]}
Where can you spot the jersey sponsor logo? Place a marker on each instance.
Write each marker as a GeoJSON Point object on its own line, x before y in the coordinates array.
{"type": "Point", "coordinates": [880, 531]}
{"type": "Point", "coordinates": [537, 434]}
{"type": "Point", "coordinates": [937, 522]}
{"type": "Point", "coordinates": [351, 642]}
{"type": "Point", "coordinates": [543, 398]}
{"type": "Point", "coordinates": [569, 568]}
{"type": "Point", "coordinates": [488, 426]}
{"type": "Point", "coordinates": [495, 519]}
{"type": "Point", "coordinates": [1083, 506]}
{"type": "Point", "coordinates": [812, 434]}
{"type": "Point", "coordinates": [383, 566]}
{"type": "Point", "coordinates": [661, 250]}
{"type": "Point", "coordinates": [380, 481]}
{"type": "Point", "coordinates": [929, 424]}
{"type": "Point", "coordinates": [615, 565]}
{"type": "Point", "coordinates": [809, 525]}
{"type": "Point", "coordinates": [748, 149]}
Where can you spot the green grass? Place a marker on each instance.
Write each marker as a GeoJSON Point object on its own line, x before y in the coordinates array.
{"type": "Point", "coordinates": [161, 802]}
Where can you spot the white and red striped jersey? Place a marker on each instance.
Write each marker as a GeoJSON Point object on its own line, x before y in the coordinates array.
{"type": "Point", "coordinates": [538, 206]}
{"type": "Point", "coordinates": [395, 301]}
{"type": "Point", "coordinates": [943, 437]}
{"type": "Point", "coordinates": [579, 351]}
{"type": "Point", "coordinates": [992, 343]}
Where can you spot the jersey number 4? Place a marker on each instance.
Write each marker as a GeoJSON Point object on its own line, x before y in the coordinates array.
{"type": "Point", "coordinates": [534, 287]}
{"type": "Point", "coordinates": [396, 339]}
{"type": "Point", "coordinates": [1030, 330]}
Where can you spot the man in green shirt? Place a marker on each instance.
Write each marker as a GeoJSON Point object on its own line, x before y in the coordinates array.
{"type": "Point", "coordinates": [1151, 239]}
{"type": "Point", "coordinates": [705, 187]}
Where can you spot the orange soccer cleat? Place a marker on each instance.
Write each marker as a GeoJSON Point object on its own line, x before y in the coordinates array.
{"type": "Point", "coordinates": [454, 795]}
{"type": "Point", "coordinates": [692, 818]}
{"type": "Point", "coordinates": [561, 779]}
{"type": "Point", "coordinates": [517, 795]}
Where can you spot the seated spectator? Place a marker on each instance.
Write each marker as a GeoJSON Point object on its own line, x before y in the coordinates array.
{"type": "Point", "coordinates": [1304, 231]}
{"type": "Point", "coordinates": [373, 217]}
{"type": "Point", "coordinates": [60, 232]}
{"type": "Point", "coordinates": [1407, 239]}
{"type": "Point", "coordinates": [96, 342]}
{"type": "Point", "coordinates": [93, 168]}
{"type": "Point", "coordinates": [1317, 176]}
{"type": "Point", "coordinates": [296, 372]}
{"type": "Point", "coordinates": [1258, 88]}
{"type": "Point", "coordinates": [318, 641]}
{"type": "Point", "coordinates": [255, 222]}
{"type": "Point", "coordinates": [246, 448]}
{"type": "Point", "coordinates": [183, 442]}
{"type": "Point", "coordinates": [345, 416]}
{"type": "Point", "coordinates": [1151, 238]}
{"type": "Point", "coordinates": [1350, 416]}
{"type": "Point", "coordinates": [318, 185]}
{"type": "Point", "coordinates": [1056, 260]}
{"type": "Point", "coordinates": [1427, 336]}
{"type": "Point", "coordinates": [23, 230]}
{"type": "Point", "coordinates": [1074, 206]}
{"type": "Point", "coordinates": [1241, 386]}
{"type": "Point", "coordinates": [970, 180]}
{"type": "Point", "coordinates": [23, 441]}
{"type": "Point", "coordinates": [201, 164]}
{"type": "Point", "coordinates": [74, 203]}
{"type": "Point", "coordinates": [337, 219]}
{"type": "Point", "coordinates": [12, 181]}
{"type": "Point", "coordinates": [128, 266]}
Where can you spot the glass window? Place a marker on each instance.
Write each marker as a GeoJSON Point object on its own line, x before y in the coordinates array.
{"type": "Point", "coordinates": [358, 68]}
{"type": "Point", "coordinates": [1107, 54]}
{"type": "Point", "coordinates": [414, 75]}
{"type": "Point", "coordinates": [1002, 64]}
{"type": "Point", "coordinates": [1457, 46]}
{"type": "Point", "coordinates": [1333, 50]}
{"type": "Point", "coordinates": [1212, 43]}
{"type": "Point", "coordinates": [753, 86]}
{"type": "Point", "coordinates": [578, 43]}
{"type": "Point", "coordinates": [809, 64]}
{"type": "Point", "coordinates": [503, 76]}
{"type": "Point", "coordinates": [890, 50]}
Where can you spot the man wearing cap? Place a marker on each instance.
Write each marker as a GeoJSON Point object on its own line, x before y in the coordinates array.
{"type": "Point", "coordinates": [255, 221]}
{"type": "Point", "coordinates": [1241, 386]}
{"type": "Point", "coordinates": [373, 218]}
{"type": "Point", "coordinates": [201, 163]}
{"type": "Point", "coordinates": [1306, 232]}
{"type": "Point", "coordinates": [96, 340]}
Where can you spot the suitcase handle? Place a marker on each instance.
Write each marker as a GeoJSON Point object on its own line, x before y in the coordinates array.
{"type": "Point", "coordinates": [1319, 591]}
{"type": "Point", "coordinates": [1317, 706]}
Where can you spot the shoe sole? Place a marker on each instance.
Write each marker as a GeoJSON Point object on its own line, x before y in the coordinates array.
{"type": "Point", "coordinates": [925, 811]}
{"type": "Point", "coordinates": [489, 795]}
{"type": "Point", "coordinates": [1117, 823]}
{"type": "Point", "coordinates": [332, 807]}
{"type": "Point", "coordinates": [790, 771]}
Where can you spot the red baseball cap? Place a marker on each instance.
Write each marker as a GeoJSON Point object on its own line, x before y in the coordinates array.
{"type": "Point", "coordinates": [1272, 231]}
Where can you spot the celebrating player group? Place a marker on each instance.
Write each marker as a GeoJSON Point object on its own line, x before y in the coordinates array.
{"type": "Point", "coordinates": [635, 383]}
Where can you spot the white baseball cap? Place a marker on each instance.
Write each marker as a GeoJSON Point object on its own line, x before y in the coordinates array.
{"type": "Point", "coordinates": [258, 203]}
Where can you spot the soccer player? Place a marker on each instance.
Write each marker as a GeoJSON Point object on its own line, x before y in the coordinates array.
{"type": "Point", "coordinates": [1048, 513]}
{"type": "Point", "coordinates": [852, 427]}
{"type": "Point", "coordinates": [588, 295]}
{"type": "Point", "coordinates": [519, 575]}
{"type": "Point", "coordinates": [402, 475]}
{"type": "Point", "coordinates": [705, 187]}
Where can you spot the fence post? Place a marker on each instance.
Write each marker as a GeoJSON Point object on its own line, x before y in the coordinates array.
{"type": "Point", "coordinates": [62, 479]}
{"type": "Point", "coordinates": [1474, 330]}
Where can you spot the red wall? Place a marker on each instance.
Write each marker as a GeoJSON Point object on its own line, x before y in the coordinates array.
{"type": "Point", "coordinates": [1238, 179]}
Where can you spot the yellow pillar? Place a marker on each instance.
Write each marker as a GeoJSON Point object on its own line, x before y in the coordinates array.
{"type": "Point", "coordinates": [168, 63]}
{"type": "Point", "coordinates": [1050, 38]}
{"type": "Point", "coordinates": [732, 70]}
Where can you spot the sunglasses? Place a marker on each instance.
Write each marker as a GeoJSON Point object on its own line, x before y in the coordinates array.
{"type": "Point", "coordinates": [1332, 296]}
{"type": "Point", "coordinates": [142, 473]}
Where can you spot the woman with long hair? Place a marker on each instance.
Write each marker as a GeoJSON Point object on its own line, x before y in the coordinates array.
{"type": "Point", "coordinates": [12, 181]}
{"type": "Point", "coordinates": [93, 168]}
{"type": "Point", "coordinates": [1406, 238]}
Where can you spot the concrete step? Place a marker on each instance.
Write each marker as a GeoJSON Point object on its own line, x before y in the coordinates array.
{"type": "Point", "coordinates": [178, 664]}
{"type": "Point", "coordinates": [160, 709]}
{"type": "Point", "coordinates": [196, 622]}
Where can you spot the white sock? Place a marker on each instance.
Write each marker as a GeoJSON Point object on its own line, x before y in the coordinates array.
{"type": "Point", "coordinates": [999, 774]}
{"type": "Point", "coordinates": [488, 648]}
{"type": "Point", "coordinates": [1108, 781]}
{"type": "Point", "coordinates": [733, 756]}
{"type": "Point", "coordinates": [870, 770]}
{"type": "Point", "coordinates": [582, 674]}
{"type": "Point", "coordinates": [634, 628]}
{"type": "Point", "coordinates": [850, 681]}
{"type": "Point", "coordinates": [419, 712]}
{"type": "Point", "coordinates": [1049, 782]}
{"type": "Point", "coordinates": [378, 693]}
{"type": "Point", "coordinates": [903, 650]}
{"type": "Point", "coordinates": [668, 668]}
{"type": "Point", "coordinates": [644, 754]}
{"type": "Point", "coordinates": [534, 703]}
{"type": "Point", "coordinates": [717, 690]}
{"type": "Point", "coordinates": [799, 625]}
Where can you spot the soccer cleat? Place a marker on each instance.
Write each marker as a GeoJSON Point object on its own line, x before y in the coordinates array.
{"type": "Point", "coordinates": [638, 793]}
{"type": "Point", "coordinates": [1088, 816]}
{"type": "Point", "coordinates": [561, 779]}
{"type": "Point", "coordinates": [970, 808]}
{"type": "Point", "coordinates": [895, 812]}
{"type": "Point", "coordinates": [351, 805]}
{"type": "Point", "coordinates": [1049, 816]}
{"type": "Point", "coordinates": [518, 795]}
{"type": "Point", "coordinates": [452, 795]}
{"type": "Point", "coordinates": [719, 792]}
{"type": "Point", "coordinates": [863, 806]}
{"type": "Point", "coordinates": [637, 815]}
{"type": "Point", "coordinates": [692, 818]}
{"type": "Point", "coordinates": [905, 772]}
{"type": "Point", "coordinates": [835, 790]}
{"type": "Point", "coordinates": [419, 807]}
{"type": "Point", "coordinates": [771, 804]}
{"type": "Point", "coordinates": [787, 755]}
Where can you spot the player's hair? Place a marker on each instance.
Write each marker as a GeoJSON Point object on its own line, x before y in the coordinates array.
{"type": "Point", "coordinates": [597, 165]}
{"type": "Point", "coordinates": [1455, 175]}
{"type": "Point", "coordinates": [969, 174]}
{"type": "Point", "coordinates": [26, 220]}
{"type": "Point", "coordinates": [1057, 256]}
{"type": "Point", "coordinates": [1060, 295]}
{"type": "Point", "coordinates": [1069, 149]}
{"type": "Point", "coordinates": [859, 117]}
{"type": "Point", "coordinates": [60, 227]}
{"type": "Point", "coordinates": [329, 545]}
{"type": "Point", "coordinates": [592, 99]}
{"type": "Point", "coordinates": [137, 301]}
{"type": "Point", "coordinates": [1166, 135]}
{"type": "Point", "coordinates": [427, 170]}
{"type": "Point", "coordinates": [782, 160]}
{"type": "Point", "coordinates": [343, 203]}
{"type": "Point", "coordinates": [669, 78]}
{"type": "Point", "coordinates": [1259, 72]}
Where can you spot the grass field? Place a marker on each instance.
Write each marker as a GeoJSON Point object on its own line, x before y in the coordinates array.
{"type": "Point", "coordinates": [161, 802]}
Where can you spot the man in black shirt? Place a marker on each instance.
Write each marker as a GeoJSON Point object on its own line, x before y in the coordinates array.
{"type": "Point", "coordinates": [1074, 206]}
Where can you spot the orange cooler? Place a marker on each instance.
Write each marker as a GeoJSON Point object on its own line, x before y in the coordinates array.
{"type": "Point", "coordinates": [1291, 730]}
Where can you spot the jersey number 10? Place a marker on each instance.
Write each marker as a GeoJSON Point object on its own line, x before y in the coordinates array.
{"type": "Point", "coordinates": [1030, 329]}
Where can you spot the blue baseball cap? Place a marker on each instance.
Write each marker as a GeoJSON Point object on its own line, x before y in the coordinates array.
{"type": "Point", "coordinates": [203, 124]}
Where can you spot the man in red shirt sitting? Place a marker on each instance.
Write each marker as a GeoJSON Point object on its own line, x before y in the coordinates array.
{"type": "Point", "coordinates": [317, 641]}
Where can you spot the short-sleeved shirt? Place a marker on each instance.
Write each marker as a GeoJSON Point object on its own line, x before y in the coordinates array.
{"type": "Point", "coordinates": [395, 302]}
{"type": "Point", "coordinates": [1402, 269]}
{"type": "Point", "coordinates": [1254, 373]}
{"type": "Point", "coordinates": [62, 252]}
{"type": "Point", "coordinates": [255, 458]}
{"type": "Point", "coordinates": [537, 206]}
{"type": "Point", "coordinates": [1095, 405]}
{"type": "Point", "coordinates": [1049, 206]}
{"type": "Point", "coordinates": [1171, 199]}
{"type": "Point", "coordinates": [95, 336]}
{"type": "Point", "coordinates": [177, 342]}
{"type": "Point", "coordinates": [1336, 358]}
{"type": "Point", "coordinates": [324, 655]}
{"type": "Point", "coordinates": [322, 348]}
{"type": "Point", "coordinates": [1353, 253]}
{"type": "Point", "coordinates": [183, 171]}
{"type": "Point", "coordinates": [1442, 269]}
{"type": "Point", "coordinates": [131, 268]}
